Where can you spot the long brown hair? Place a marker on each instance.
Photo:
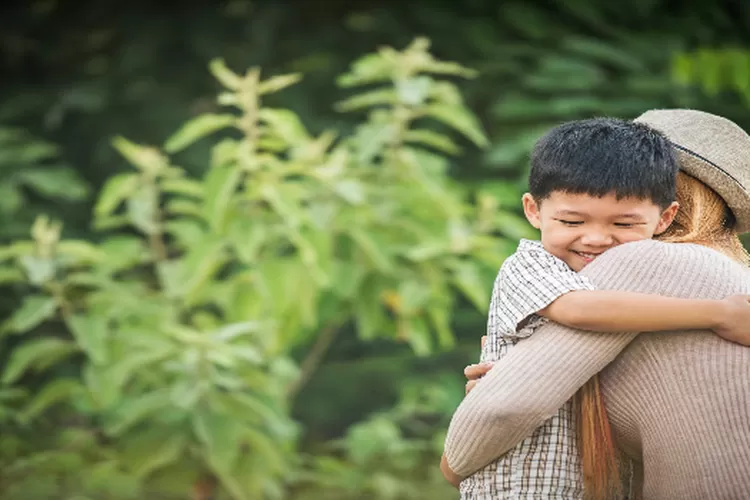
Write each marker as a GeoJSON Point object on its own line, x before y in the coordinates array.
{"type": "Point", "coordinates": [705, 219]}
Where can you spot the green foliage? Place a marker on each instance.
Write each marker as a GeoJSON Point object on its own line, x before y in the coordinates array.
{"type": "Point", "coordinates": [541, 64]}
{"type": "Point", "coordinates": [30, 168]}
{"type": "Point", "coordinates": [715, 70]}
{"type": "Point", "coordinates": [190, 311]}
{"type": "Point", "coordinates": [391, 455]}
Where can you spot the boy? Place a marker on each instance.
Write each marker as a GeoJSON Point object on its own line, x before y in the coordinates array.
{"type": "Point", "coordinates": [594, 184]}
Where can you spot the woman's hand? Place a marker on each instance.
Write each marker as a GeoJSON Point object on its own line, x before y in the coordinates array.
{"type": "Point", "coordinates": [476, 371]}
{"type": "Point", "coordinates": [735, 323]}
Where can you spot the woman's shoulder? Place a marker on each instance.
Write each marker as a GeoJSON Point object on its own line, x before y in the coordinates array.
{"type": "Point", "coordinates": [651, 265]}
{"type": "Point", "coordinates": [650, 252]}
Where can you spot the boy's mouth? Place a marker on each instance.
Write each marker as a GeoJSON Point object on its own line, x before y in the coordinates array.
{"type": "Point", "coordinates": [587, 256]}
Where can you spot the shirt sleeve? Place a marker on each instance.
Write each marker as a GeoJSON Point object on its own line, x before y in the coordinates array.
{"type": "Point", "coordinates": [542, 372]}
{"type": "Point", "coordinates": [530, 280]}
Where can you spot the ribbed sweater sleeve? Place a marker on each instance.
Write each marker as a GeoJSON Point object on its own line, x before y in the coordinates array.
{"type": "Point", "coordinates": [542, 372]}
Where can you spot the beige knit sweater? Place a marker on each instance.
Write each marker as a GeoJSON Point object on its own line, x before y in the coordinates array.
{"type": "Point", "coordinates": [678, 401]}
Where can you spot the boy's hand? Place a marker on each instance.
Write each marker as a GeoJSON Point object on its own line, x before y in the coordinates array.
{"type": "Point", "coordinates": [735, 324]}
{"type": "Point", "coordinates": [474, 372]}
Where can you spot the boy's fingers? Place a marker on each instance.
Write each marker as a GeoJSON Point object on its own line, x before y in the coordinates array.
{"type": "Point", "coordinates": [470, 385]}
{"type": "Point", "coordinates": [484, 337]}
{"type": "Point", "coordinates": [473, 372]}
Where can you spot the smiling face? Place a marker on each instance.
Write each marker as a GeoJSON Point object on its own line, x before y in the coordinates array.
{"type": "Point", "coordinates": [577, 228]}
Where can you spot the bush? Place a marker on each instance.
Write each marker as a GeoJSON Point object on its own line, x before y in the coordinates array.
{"type": "Point", "coordinates": [166, 350]}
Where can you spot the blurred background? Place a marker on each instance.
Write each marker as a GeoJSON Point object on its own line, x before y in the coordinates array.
{"type": "Point", "coordinates": [273, 294]}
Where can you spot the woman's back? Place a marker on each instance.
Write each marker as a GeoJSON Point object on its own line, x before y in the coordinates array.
{"type": "Point", "coordinates": [681, 401]}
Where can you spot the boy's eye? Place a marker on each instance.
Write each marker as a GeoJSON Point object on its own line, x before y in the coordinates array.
{"type": "Point", "coordinates": [624, 224]}
{"type": "Point", "coordinates": [570, 222]}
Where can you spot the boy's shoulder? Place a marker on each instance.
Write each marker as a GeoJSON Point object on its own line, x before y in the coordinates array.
{"type": "Point", "coordinates": [532, 254]}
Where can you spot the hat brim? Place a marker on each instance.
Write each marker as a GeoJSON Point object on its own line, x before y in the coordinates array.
{"type": "Point", "coordinates": [727, 187]}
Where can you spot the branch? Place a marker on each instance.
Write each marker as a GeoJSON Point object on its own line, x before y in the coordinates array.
{"type": "Point", "coordinates": [313, 359]}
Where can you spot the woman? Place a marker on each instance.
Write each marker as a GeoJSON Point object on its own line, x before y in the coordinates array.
{"type": "Point", "coordinates": [678, 403]}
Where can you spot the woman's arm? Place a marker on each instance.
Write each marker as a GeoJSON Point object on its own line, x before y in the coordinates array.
{"type": "Point", "coordinates": [542, 372]}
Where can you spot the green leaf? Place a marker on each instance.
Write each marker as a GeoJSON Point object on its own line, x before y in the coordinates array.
{"type": "Point", "coordinates": [222, 436]}
{"type": "Point", "coordinates": [16, 250]}
{"type": "Point", "coordinates": [596, 49]}
{"type": "Point", "coordinates": [185, 231]}
{"type": "Point", "coordinates": [367, 69]}
{"type": "Point", "coordinates": [198, 266]}
{"type": "Point", "coordinates": [417, 335]}
{"type": "Point", "coordinates": [370, 247]}
{"type": "Point", "coordinates": [144, 158]}
{"type": "Point", "coordinates": [142, 209]}
{"type": "Point", "coordinates": [248, 238]}
{"type": "Point", "coordinates": [10, 275]}
{"type": "Point", "coordinates": [80, 251]}
{"type": "Point", "coordinates": [286, 124]}
{"type": "Point", "coordinates": [369, 313]}
{"type": "Point", "coordinates": [34, 152]}
{"type": "Point", "coordinates": [10, 198]}
{"type": "Point", "coordinates": [432, 139]}
{"type": "Point", "coordinates": [220, 185]}
{"type": "Point", "coordinates": [371, 139]}
{"type": "Point", "coordinates": [132, 411]}
{"type": "Point", "coordinates": [284, 205]}
{"type": "Point", "coordinates": [351, 190]}
{"type": "Point", "coordinates": [385, 96]}
{"type": "Point", "coordinates": [279, 82]}
{"type": "Point", "coordinates": [55, 392]}
{"type": "Point", "coordinates": [227, 77]}
{"type": "Point", "coordinates": [60, 182]}
{"type": "Point", "coordinates": [114, 192]}
{"type": "Point", "coordinates": [459, 118]}
{"type": "Point", "coordinates": [469, 280]}
{"type": "Point", "coordinates": [160, 453]}
{"type": "Point", "coordinates": [36, 354]}
{"type": "Point", "coordinates": [91, 333]}
{"type": "Point", "coordinates": [34, 310]}
{"type": "Point", "coordinates": [182, 186]}
{"type": "Point", "coordinates": [39, 270]}
{"type": "Point", "coordinates": [184, 207]}
{"type": "Point", "coordinates": [413, 91]}
{"type": "Point", "coordinates": [196, 129]}
{"type": "Point", "coordinates": [413, 295]}
{"type": "Point", "coordinates": [122, 252]}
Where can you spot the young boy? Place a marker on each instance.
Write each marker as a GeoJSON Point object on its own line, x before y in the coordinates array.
{"type": "Point", "coordinates": [594, 184]}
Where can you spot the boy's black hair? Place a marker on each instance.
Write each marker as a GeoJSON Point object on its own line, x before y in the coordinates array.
{"type": "Point", "coordinates": [605, 155]}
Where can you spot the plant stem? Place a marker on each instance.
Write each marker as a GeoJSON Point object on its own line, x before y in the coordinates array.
{"type": "Point", "coordinates": [313, 359]}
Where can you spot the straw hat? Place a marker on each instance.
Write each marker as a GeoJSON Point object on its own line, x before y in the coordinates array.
{"type": "Point", "coordinates": [712, 149]}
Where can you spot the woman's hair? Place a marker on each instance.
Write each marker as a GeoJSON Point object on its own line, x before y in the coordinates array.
{"type": "Point", "coordinates": [703, 218]}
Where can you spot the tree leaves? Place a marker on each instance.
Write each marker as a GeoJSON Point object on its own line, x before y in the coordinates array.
{"type": "Point", "coordinates": [36, 355]}
{"type": "Point", "coordinates": [115, 191]}
{"type": "Point", "coordinates": [34, 310]}
{"type": "Point", "coordinates": [196, 129]}
{"type": "Point", "coordinates": [197, 322]}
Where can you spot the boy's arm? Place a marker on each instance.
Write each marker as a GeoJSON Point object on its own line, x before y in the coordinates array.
{"type": "Point", "coordinates": [616, 311]}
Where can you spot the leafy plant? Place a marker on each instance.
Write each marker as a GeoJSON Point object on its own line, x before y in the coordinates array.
{"type": "Point", "coordinates": [190, 314]}
{"type": "Point", "coordinates": [715, 70]}
{"type": "Point", "coordinates": [31, 172]}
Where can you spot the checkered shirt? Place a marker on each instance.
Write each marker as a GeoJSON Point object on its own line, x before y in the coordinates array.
{"type": "Point", "coordinates": [546, 465]}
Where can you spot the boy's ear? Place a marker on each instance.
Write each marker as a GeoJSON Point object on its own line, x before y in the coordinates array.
{"type": "Point", "coordinates": [667, 216]}
{"type": "Point", "coordinates": [531, 210]}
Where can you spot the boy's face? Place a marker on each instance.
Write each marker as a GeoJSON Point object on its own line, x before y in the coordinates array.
{"type": "Point", "coordinates": [577, 228]}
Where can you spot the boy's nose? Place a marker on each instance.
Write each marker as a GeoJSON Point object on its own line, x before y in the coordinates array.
{"type": "Point", "coordinates": [597, 239]}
